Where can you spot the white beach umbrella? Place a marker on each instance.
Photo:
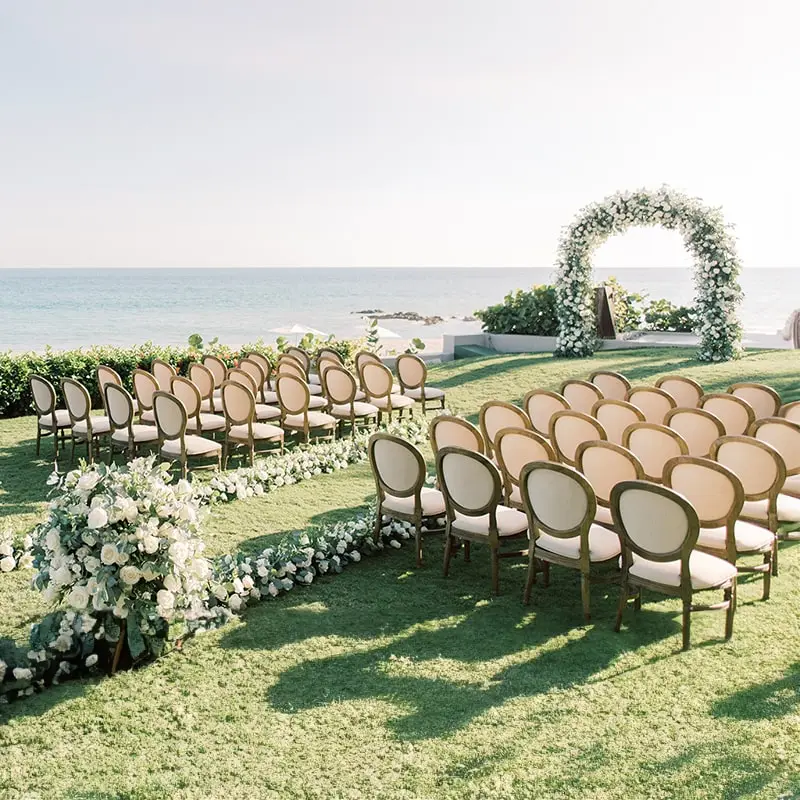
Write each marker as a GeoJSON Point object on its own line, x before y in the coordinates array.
{"type": "Point", "coordinates": [296, 329]}
{"type": "Point", "coordinates": [385, 333]}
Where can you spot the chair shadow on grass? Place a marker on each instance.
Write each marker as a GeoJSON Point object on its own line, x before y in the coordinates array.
{"type": "Point", "coordinates": [778, 698]}
{"type": "Point", "coordinates": [435, 625]}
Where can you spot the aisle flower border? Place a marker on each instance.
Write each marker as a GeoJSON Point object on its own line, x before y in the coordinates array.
{"type": "Point", "coordinates": [707, 237]}
{"type": "Point", "coordinates": [70, 641]}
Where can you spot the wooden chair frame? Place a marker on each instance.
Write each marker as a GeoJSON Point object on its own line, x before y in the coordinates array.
{"type": "Point", "coordinates": [716, 421]}
{"type": "Point", "coordinates": [91, 438]}
{"type": "Point", "coordinates": [690, 382]}
{"type": "Point", "coordinates": [450, 419]}
{"type": "Point", "coordinates": [404, 387]}
{"type": "Point", "coordinates": [790, 411]}
{"type": "Point", "coordinates": [684, 591]}
{"type": "Point", "coordinates": [52, 428]}
{"type": "Point", "coordinates": [366, 420]}
{"type": "Point", "coordinates": [307, 427]}
{"type": "Point", "coordinates": [562, 457]}
{"type": "Point", "coordinates": [533, 393]}
{"type": "Point", "coordinates": [614, 377]}
{"type": "Point", "coordinates": [140, 402]}
{"type": "Point", "coordinates": [637, 426]}
{"type": "Point", "coordinates": [510, 481]}
{"type": "Point", "coordinates": [634, 390]}
{"type": "Point", "coordinates": [743, 404]}
{"type": "Point", "coordinates": [610, 401]}
{"type": "Point", "coordinates": [131, 446]}
{"type": "Point", "coordinates": [515, 410]}
{"type": "Point", "coordinates": [372, 395]}
{"type": "Point", "coordinates": [250, 440]}
{"type": "Point", "coordinates": [598, 395]}
{"type": "Point", "coordinates": [760, 387]}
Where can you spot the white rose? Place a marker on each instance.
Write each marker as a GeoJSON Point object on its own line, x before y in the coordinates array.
{"type": "Point", "coordinates": [6, 549]}
{"type": "Point", "coordinates": [172, 583]}
{"type": "Point", "coordinates": [88, 481]}
{"type": "Point", "coordinates": [53, 539]}
{"type": "Point", "coordinates": [22, 674]}
{"type": "Point", "coordinates": [7, 564]}
{"type": "Point", "coordinates": [150, 544]}
{"type": "Point", "coordinates": [247, 582]}
{"type": "Point", "coordinates": [78, 597]}
{"type": "Point", "coordinates": [109, 552]}
{"type": "Point", "coordinates": [91, 660]}
{"type": "Point", "coordinates": [97, 518]}
{"type": "Point", "coordinates": [235, 603]}
{"type": "Point", "coordinates": [220, 592]}
{"type": "Point", "coordinates": [165, 599]}
{"type": "Point", "coordinates": [130, 575]}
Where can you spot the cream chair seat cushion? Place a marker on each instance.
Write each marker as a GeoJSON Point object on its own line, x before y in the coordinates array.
{"type": "Point", "coordinates": [750, 538]}
{"type": "Point", "coordinates": [316, 419]}
{"type": "Point", "coordinates": [791, 484]}
{"type": "Point", "coordinates": [432, 502]}
{"type": "Point", "coordinates": [99, 425]}
{"type": "Point", "coordinates": [314, 389]}
{"type": "Point", "coordinates": [510, 522]}
{"type": "Point", "coordinates": [141, 433]}
{"type": "Point", "coordinates": [260, 431]}
{"type": "Point", "coordinates": [270, 397]}
{"type": "Point", "coordinates": [316, 402]}
{"type": "Point", "coordinates": [788, 509]}
{"type": "Point", "coordinates": [205, 406]}
{"type": "Point", "coordinates": [313, 378]}
{"type": "Point", "coordinates": [359, 409]}
{"type": "Point", "coordinates": [707, 571]}
{"type": "Point", "coordinates": [217, 395]}
{"type": "Point", "coordinates": [603, 545]}
{"type": "Point", "coordinates": [266, 412]}
{"type": "Point", "coordinates": [431, 393]}
{"type": "Point", "coordinates": [603, 516]}
{"type": "Point", "coordinates": [398, 401]}
{"type": "Point", "coordinates": [208, 422]}
{"type": "Point", "coordinates": [149, 416]}
{"type": "Point", "coordinates": [195, 446]}
{"type": "Point", "coordinates": [516, 495]}
{"type": "Point", "coordinates": [62, 418]}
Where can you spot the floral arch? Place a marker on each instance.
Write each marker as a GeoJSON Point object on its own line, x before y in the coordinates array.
{"type": "Point", "coordinates": [706, 236]}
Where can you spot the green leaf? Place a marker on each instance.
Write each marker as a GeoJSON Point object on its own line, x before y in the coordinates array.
{"type": "Point", "coordinates": [135, 639]}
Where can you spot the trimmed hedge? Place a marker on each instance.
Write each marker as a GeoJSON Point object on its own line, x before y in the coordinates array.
{"type": "Point", "coordinates": [16, 369]}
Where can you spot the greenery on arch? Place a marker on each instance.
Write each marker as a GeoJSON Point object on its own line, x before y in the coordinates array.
{"type": "Point", "coordinates": [706, 236]}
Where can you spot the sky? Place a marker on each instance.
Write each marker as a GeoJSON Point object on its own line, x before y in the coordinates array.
{"type": "Point", "coordinates": [388, 132]}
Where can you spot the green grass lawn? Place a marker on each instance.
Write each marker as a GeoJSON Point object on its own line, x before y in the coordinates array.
{"type": "Point", "coordinates": [389, 681]}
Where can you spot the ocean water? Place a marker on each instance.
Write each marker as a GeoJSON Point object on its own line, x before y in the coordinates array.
{"type": "Point", "coordinates": [67, 308]}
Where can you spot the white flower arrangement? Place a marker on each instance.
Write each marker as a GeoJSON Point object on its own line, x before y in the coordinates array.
{"type": "Point", "coordinates": [706, 236]}
{"type": "Point", "coordinates": [14, 554]}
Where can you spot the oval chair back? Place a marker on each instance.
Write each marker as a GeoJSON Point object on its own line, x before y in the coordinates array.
{"type": "Point", "coordinates": [254, 370]}
{"type": "Point", "coordinates": [581, 395]}
{"type": "Point", "coordinates": [397, 466]}
{"type": "Point", "coordinates": [613, 385]}
{"type": "Point", "coordinates": [262, 361]}
{"type": "Point", "coordinates": [568, 429]}
{"type": "Point", "coordinates": [144, 387]}
{"type": "Point", "coordinates": [238, 404]}
{"type": "Point", "coordinates": [763, 399]}
{"type": "Point", "coordinates": [170, 417]}
{"type": "Point", "coordinates": [244, 378]}
{"type": "Point", "coordinates": [44, 397]}
{"type": "Point", "coordinates": [411, 371]}
{"type": "Point", "coordinates": [759, 467]}
{"type": "Point", "coordinates": [654, 403]}
{"type": "Point", "coordinates": [615, 416]}
{"type": "Point", "coordinates": [299, 355]}
{"type": "Point", "coordinates": [471, 486]}
{"type": "Point", "coordinates": [687, 392]}
{"type": "Point", "coordinates": [514, 448]}
{"type": "Point", "coordinates": [217, 368]}
{"type": "Point", "coordinates": [323, 366]}
{"type": "Point", "coordinates": [106, 375]}
{"type": "Point", "coordinates": [119, 407]}
{"type": "Point", "coordinates": [76, 399]}
{"type": "Point", "coordinates": [784, 436]}
{"type": "Point", "coordinates": [329, 354]}
{"type": "Point", "coordinates": [376, 379]}
{"type": "Point", "coordinates": [338, 384]}
{"type": "Point", "coordinates": [699, 429]}
{"type": "Point", "coordinates": [202, 377]}
{"type": "Point", "coordinates": [162, 371]}
{"type": "Point", "coordinates": [365, 357]}
{"type": "Point", "coordinates": [605, 464]}
{"type": "Point", "coordinates": [185, 390]}
{"type": "Point", "coordinates": [654, 445]}
{"type": "Point", "coordinates": [449, 431]}
{"type": "Point", "coordinates": [736, 415]}
{"type": "Point", "coordinates": [790, 411]}
{"type": "Point", "coordinates": [291, 366]}
{"type": "Point", "coordinates": [496, 415]}
{"type": "Point", "coordinates": [293, 394]}
{"type": "Point", "coordinates": [540, 405]}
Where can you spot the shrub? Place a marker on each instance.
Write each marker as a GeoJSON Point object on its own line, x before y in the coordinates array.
{"type": "Point", "coordinates": [661, 315]}
{"type": "Point", "coordinates": [532, 313]}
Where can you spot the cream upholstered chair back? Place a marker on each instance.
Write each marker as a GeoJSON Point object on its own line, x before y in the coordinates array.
{"type": "Point", "coordinates": [76, 399]}
{"type": "Point", "coordinates": [756, 464]}
{"type": "Point", "coordinates": [736, 415]}
{"type": "Point", "coordinates": [655, 522]}
{"type": "Point", "coordinates": [449, 431]}
{"type": "Point", "coordinates": [397, 465]}
{"type": "Point", "coordinates": [144, 387]}
{"type": "Point", "coordinates": [119, 406]}
{"type": "Point", "coordinates": [540, 405]}
{"type": "Point", "coordinates": [606, 464]}
{"type": "Point", "coordinates": [557, 498]}
{"type": "Point", "coordinates": [44, 395]}
{"type": "Point", "coordinates": [613, 385]}
{"type": "Point", "coordinates": [376, 379]}
{"type": "Point", "coordinates": [784, 436]}
{"type": "Point", "coordinates": [654, 403]}
{"type": "Point", "coordinates": [581, 395]}
{"type": "Point", "coordinates": [217, 368]}
{"type": "Point", "coordinates": [293, 394]}
{"type": "Point", "coordinates": [687, 392]}
{"type": "Point", "coordinates": [699, 429]}
{"type": "Point", "coordinates": [715, 492]}
{"type": "Point", "coordinates": [653, 445]}
{"type": "Point", "coordinates": [514, 448]}
{"type": "Point", "coordinates": [339, 384]}
{"type": "Point", "coordinates": [202, 377]}
{"type": "Point", "coordinates": [470, 483]}
{"type": "Point", "coordinates": [244, 378]}
{"type": "Point", "coordinates": [411, 371]}
{"type": "Point", "coordinates": [323, 365]}
{"type": "Point", "coordinates": [615, 416]}
{"type": "Point", "coordinates": [568, 429]}
{"type": "Point", "coordinates": [329, 354]}
{"type": "Point", "coordinates": [188, 394]}
{"type": "Point", "coordinates": [288, 365]}
{"type": "Point", "coordinates": [262, 362]}
{"type": "Point", "coordinates": [163, 372]}
{"type": "Point", "coordinates": [365, 357]}
{"type": "Point", "coordinates": [496, 415]}
{"type": "Point", "coordinates": [300, 355]}
{"type": "Point", "coordinates": [253, 369]}
{"type": "Point", "coordinates": [238, 403]}
{"type": "Point", "coordinates": [790, 411]}
{"type": "Point", "coordinates": [763, 399]}
{"type": "Point", "coordinates": [170, 416]}
{"type": "Point", "coordinates": [106, 375]}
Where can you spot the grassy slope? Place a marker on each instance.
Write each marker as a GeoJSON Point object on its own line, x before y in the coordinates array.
{"type": "Point", "coordinates": [391, 681]}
